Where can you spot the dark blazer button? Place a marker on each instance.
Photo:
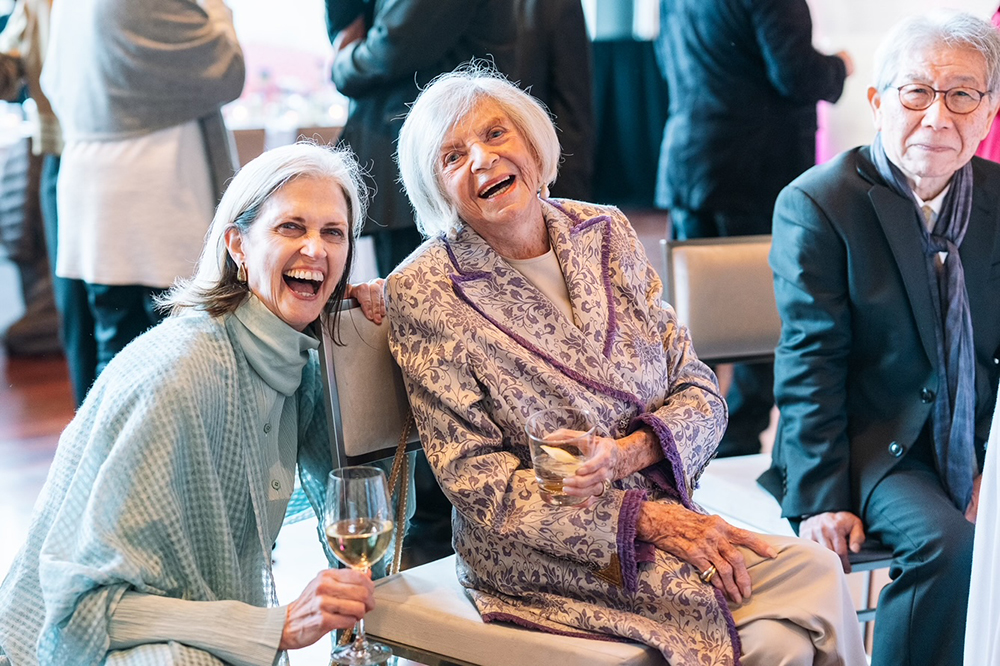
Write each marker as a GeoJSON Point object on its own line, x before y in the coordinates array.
{"type": "Point", "coordinates": [896, 449]}
{"type": "Point", "coordinates": [927, 395]}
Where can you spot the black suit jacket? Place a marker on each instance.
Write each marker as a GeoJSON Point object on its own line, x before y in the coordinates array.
{"type": "Point", "coordinates": [555, 64]}
{"type": "Point", "coordinates": [744, 81]}
{"type": "Point", "coordinates": [855, 370]}
{"type": "Point", "coordinates": [408, 43]}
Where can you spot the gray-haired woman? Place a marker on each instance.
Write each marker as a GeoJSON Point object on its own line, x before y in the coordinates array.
{"type": "Point", "coordinates": [151, 541]}
{"type": "Point", "coordinates": [520, 303]}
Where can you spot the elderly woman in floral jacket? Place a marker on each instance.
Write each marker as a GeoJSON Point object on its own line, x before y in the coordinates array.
{"type": "Point", "coordinates": [518, 303]}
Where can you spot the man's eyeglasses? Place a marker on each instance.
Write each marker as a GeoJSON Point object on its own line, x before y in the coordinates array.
{"type": "Point", "coordinates": [961, 100]}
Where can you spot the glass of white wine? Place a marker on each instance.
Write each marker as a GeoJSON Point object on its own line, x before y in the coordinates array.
{"type": "Point", "coordinates": [358, 528]}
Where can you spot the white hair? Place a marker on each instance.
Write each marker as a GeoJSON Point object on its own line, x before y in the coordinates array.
{"type": "Point", "coordinates": [214, 287]}
{"type": "Point", "coordinates": [952, 29]}
{"type": "Point", "coordinates": [445, 101]}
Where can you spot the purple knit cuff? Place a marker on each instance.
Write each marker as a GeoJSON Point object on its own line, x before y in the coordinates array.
{"type": "Point", "coordinates": [670, 452]}
{"type": "Point", "coordinates": [628, 519]}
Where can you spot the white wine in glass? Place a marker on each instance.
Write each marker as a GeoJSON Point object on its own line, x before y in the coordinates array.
{"type": "Point", "coordinates": [358, 528]}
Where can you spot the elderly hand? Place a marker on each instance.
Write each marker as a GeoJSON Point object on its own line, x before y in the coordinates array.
{"type": "Point", "coordinates": [838, 531]}
{"type": "Point", "coordinates": [614, 459]}
{"type": "Point", "coordinates": [371, 297]}
{"type": "Point", "coordinates": [598, 470]}
{"type": "Point", "coordinates": [355, 31]}
{"type": "Point", "coordinates": [703, 542]}
{"type": "Point", "coordinates": [334, 599]}
{"type": "Point", "coordinates": [973, 508]}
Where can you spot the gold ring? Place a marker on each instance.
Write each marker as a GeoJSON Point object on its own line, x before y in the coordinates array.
{"type": "Point", "coordinates": [708, 574]}
{"type": "Point", "coordinates": [604, 488]}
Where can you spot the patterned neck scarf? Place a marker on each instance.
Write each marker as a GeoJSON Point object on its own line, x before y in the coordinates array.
{"type": "Point", "coordinates": [952, 418]}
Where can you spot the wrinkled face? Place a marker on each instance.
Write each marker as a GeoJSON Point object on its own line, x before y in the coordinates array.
{"type": "Point", "coordinates": [296, 249]}
{"type": "Point", "coordinates": [934, 143]}
{"type": "Point", "coordinates": [487, 169]}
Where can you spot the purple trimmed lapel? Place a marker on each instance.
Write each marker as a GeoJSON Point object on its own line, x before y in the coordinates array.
{"type": "Point", "coordinates": [580, 350]}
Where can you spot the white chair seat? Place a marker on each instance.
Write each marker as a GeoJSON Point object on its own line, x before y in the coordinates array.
{"type": "Point", "coordinates": [729, 488]}
{"type": "Point", "coordinates": [426, 608]}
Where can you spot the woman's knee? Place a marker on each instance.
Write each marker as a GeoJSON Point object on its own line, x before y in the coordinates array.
{"type": "Point", "coordinates": [770, 642]}
{"type": "Point", "coordinates": [810, 559]}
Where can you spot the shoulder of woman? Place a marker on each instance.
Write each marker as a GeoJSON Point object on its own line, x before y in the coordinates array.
{"type": "Point", "coordinates": [182, 352]}
{"type": "Point", "coordinates": [429, 261]}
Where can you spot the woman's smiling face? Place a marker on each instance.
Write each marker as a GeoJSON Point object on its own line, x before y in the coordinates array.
{"type": "Point", "coordinates": [488, 171]}
{"type": "Point", "coordinates": [296, 249]}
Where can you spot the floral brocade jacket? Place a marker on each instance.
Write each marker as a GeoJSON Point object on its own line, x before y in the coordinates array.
{"type": "Point", "coordinates": [481, 349]}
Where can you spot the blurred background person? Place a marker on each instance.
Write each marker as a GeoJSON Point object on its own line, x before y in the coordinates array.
{"type": "Point", "coordinates": [743, 80]}
{"type": "Point", "coordinates": [24, 42]}
{"type": "Point", "coordinates": [138, 86]}
{"type": "Point", "coordinates": [386, 51]}
{"type": "Point", "coordinates": [555, 64]}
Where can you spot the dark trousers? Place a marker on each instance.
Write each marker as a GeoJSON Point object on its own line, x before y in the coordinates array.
{"type": "Point", "coordinates": [751, 395]}
{"type": "Point", "coordinates": [394, 245]}
{"type": "Point", "coordinates": [921, 614]}
{"type": "Point", "coordinates": [121, 314]}
{"type": "Point", "coordinates": [76, 324]}
{"type": "Point", "coordinates": [750, 398]}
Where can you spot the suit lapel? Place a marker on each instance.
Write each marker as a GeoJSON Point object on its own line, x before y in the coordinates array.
{"type": "Point", "coordinates": [583, 248]}
{"type": "Point", "coordinates": [897, 218]}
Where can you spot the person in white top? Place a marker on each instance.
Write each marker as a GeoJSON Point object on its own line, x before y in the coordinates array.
{"type": "Point", "coordinates": [982, 631]}
{"type": "Point", "coordinates": [138, 85]}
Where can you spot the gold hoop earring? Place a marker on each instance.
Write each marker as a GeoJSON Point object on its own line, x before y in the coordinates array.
{"type": "Point", "coordinates": [241, 274]}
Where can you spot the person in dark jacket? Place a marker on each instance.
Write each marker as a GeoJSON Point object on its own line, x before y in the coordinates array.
{"type": "Point", "coordinates": [886, 272]}
{"type": "Point", "coordinates": [555, 64]}
{"type": "Point", "coordinates": [386, 52]}
{"type": "Point", "coordinates": [744, 80]}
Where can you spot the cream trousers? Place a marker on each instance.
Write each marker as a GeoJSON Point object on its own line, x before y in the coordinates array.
{"type": "Point", "coordinates": [800, 611]}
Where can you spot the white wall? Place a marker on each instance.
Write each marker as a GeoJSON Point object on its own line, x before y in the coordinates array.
{"type": "Point", "coordinates": [858, 26]}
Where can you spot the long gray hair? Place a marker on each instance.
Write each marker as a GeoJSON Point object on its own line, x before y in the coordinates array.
{"type": "Point", "coordinates": [214, 287]}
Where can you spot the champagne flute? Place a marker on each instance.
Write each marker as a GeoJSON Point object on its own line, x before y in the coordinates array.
{"type": "Point", "coordinates": [358, 527]}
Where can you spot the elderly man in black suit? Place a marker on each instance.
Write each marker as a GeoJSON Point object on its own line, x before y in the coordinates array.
{"type": "Point", "coordinates": [887, 274]}
{"type": "Point", "coordinates": [744, 80]}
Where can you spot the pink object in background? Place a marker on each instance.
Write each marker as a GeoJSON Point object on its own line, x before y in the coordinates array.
{"type": "Point", "coordinates": [824, 142]}
{"type": "Point", "coordinates": [990, 147]}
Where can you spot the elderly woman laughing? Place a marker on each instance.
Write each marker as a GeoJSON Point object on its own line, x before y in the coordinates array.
{"type": "Point", "coordinates": [518, 303]}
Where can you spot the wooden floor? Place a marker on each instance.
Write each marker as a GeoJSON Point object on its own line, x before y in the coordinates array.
{"type": "Point", "coordinates": [35, 405]}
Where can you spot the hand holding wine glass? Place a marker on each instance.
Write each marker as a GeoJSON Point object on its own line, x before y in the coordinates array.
{"type": "Point", "coordinates": [358, 528]}
{"type": "Point", "coordinates": [334, 599]}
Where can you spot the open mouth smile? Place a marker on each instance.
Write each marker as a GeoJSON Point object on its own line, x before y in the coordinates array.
{"type": "Point", "coordinates": [303, 282]}
{"type": "Point", "coordinates": [497, 188]}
